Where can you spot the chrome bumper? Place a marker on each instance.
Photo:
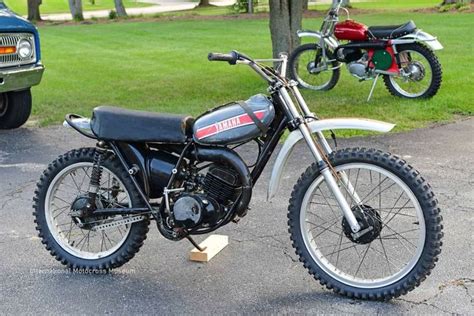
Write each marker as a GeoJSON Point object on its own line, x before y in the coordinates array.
{"type": "Point", "coordinates": [20, 78]}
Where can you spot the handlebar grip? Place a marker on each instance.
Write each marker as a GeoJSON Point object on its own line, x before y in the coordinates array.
{"type": "Point", "coordinates": [230, 58]}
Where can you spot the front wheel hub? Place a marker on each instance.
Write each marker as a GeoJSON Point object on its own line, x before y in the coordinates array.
{"type": "Point", "coordinates": [370, 225]}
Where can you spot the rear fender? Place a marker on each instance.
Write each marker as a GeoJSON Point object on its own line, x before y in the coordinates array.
{"type": "Point", "coordinates": [315, 127]}
{"type": "Point", "coordinates": [419, 36]}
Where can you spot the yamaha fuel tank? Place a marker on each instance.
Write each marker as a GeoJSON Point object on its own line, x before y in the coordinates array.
{"type": "Point", "coordinates": [231, 123]}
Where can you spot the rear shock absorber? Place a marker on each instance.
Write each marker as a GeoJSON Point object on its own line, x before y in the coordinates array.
{"type": "Point", "coordinates": [96, 173]}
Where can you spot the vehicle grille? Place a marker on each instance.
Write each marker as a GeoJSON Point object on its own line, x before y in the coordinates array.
{"type": "Point", "coordinates": [12, 39]}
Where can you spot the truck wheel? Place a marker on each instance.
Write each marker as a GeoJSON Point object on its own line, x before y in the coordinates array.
{"type": "Point", "coordinates": [15, 108]}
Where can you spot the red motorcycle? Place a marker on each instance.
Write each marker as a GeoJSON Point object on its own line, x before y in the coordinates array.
{"type": "Point", "coordinates": [402, 54]}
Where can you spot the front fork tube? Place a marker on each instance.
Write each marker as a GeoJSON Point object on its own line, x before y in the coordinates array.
{"type": "Point", "coordinates": [324, 142]}
{"type": "Point", "coordinates": [331, 182]}
{"type": "Point", "coordinates": [326, 172]}
{"type": "Point", "coordinates": [345, 179]}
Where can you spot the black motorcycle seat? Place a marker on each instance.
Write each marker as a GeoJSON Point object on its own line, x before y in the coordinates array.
{"type": "Point", "coordinates": [392, 31]}
{"type": "Point", "coordinates": [117, 124]}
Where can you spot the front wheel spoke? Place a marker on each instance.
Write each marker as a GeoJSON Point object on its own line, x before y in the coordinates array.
{"type": "Point", "coordinates": [333, 245]}
{"type": "Point", "coordinates": [385, 253]}
{"type": "Point", "coordinates": [365, 199]}
{"type": "Point", "coordinates": [325, 229]}
{"type": "Point", "coordinates": [375, 250]}
{"type": "Point", "coordinates": [395, 214]}
{"type": "Point", "coordinates": [332, 210]}
{"type": "Point", "coordinates": [400, 233]}
{"type": "Point", "coordinates": [397, 234]}
{"type": "Point", "coordinates": [340, 250]}
{"type": "Point", "coordinates": [340, 242]}
{"type": "Point", "coordinates": [363, 258]}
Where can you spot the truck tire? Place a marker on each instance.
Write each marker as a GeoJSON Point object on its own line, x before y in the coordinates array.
{"type": "Point", "coordinates": [15, 108]}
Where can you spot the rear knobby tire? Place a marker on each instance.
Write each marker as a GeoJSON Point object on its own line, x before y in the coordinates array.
{"type": "Point", "coordinates": [137, 232]}
{"type": "Point", "coordinates": [436, 72]}
{"type": "Point", "coordinates": [419, 187]}
{"type": "Point", "coordinates": [293, 63]}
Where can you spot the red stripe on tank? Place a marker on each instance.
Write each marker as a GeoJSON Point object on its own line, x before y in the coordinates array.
{"type": "Point", "coordinates": [228, 124]}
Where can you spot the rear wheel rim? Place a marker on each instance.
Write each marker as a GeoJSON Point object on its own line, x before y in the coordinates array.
{"type": "Point", "coordinates": [306, 79]}
{"type": "Point", "coordinates": [410, 85]}
{"type": "Point", "coordinates": [70, 237]}
{"type": "Point", "coordinates": [342, 259]}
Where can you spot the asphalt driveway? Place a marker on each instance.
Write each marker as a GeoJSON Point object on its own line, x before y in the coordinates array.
{"type": "Point", "coordinates": [257, 272]}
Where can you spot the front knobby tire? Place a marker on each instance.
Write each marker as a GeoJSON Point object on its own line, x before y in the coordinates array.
{"type": "Point", "coordinates": [426, 91]}
{"type": "Point", "coordinates": [126, 249]}
{"type": "Point", "coordinates": [428, 207]}
{"type": "Point", "coordinates": [297, 65]}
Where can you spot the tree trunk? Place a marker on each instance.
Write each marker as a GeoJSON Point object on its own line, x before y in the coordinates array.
{"type": "Point", "coordinates": [285, 20]}
{"type": "Point", "coordinates": [34, 10]}
{"type": "Point", "coordinates": [305, 5]}
{"type": "Point", "coordinates": [204, 3]}
{"type": "Point", "coordinates": [76, 9]}
{"type": "Point", "coordinates": [120, 8]}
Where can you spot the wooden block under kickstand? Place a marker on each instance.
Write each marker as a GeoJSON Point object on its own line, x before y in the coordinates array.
{"type": "Point", "coordinates": [212, 245]}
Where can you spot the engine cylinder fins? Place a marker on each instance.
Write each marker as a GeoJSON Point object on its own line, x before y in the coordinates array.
{"type": "Point", "coordinates": [221, 184]}
{"type": "Point", "coordinates": [229, 157]}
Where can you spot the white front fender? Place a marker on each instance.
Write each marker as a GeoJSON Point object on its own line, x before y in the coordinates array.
{"type": "Point", "coordinates": [318, 126]}
{"type": "Point", "coordinates": [330, 41]}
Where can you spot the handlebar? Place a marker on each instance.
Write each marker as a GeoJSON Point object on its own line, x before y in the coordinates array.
{"type": "Point", "coordinates": [268, 74]}
{"type": "Point", "coordinates": [230, 58]}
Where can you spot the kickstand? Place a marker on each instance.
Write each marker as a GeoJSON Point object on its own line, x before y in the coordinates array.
{"type": "Point", "coordinates": [373, 87]}
{"type": "Point", "coordinates": [195, 244]}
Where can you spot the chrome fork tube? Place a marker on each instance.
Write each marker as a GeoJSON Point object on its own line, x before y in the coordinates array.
{"type": "Point", "coordinates": [324, 142]}
{"type": "Point", "coordinates": [326, 172]}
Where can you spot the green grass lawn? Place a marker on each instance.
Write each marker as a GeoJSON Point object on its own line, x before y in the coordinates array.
{"type": "Point", "coordinates": [162, 66]}
{"type": "Point", "coordinates": [62, 6]}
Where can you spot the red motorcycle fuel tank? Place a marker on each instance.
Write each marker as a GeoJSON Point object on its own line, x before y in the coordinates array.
{"type": "Point", "coordinates": [231, 123]}
{"type": "Point", "coordinates": [351, 30]}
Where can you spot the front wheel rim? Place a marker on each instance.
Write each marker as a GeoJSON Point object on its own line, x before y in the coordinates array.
{"type": "Point", "coordinates": [341, 272]}
{"type": "Point", "coordinates": [306, 79]}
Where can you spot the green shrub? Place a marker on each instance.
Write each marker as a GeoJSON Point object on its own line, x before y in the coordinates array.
{"type": "Point", "coordinates": [112, 15]}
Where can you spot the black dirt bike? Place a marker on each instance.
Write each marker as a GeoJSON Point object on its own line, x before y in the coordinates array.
{"type": "Point", "coordinates": [363, 222]}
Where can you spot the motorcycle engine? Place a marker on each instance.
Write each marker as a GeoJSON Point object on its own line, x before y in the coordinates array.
{"type": "Point", "coordinates": [359, 68]}
{"type": "Point", "coordinates": [209, 201]}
